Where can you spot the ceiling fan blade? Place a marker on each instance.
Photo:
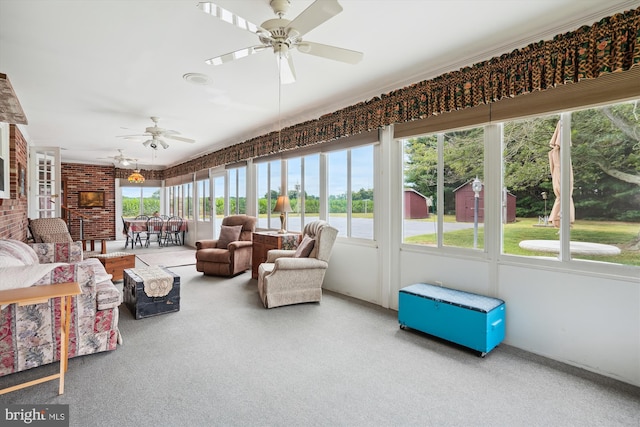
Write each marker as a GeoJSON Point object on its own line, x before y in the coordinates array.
{"type": "Point", "coordinates": [330, 52]}
{"type": "Point", "coordinates": [232, 56]}
{"type": "Point", "coordinates": [143, 135]}
{"type": "Point", "coordinates": [319, 12]}
{"type": "Point", "coordinates": [287, 70]}
{"type": "Point", "coordinates": [180, 138]}
{"type": "Point", "coordinates": [230, 17]}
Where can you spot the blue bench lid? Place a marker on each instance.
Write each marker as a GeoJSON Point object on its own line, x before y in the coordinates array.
{"type": "Point", "coordinates": [453, 296]}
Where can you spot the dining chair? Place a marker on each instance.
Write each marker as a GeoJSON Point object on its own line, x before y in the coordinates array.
{"type": "Point", "coordinates": [137, 234]}
{"type": "Point", "coordinates": [128, 233]}
{"type": "Point", "coordinates": [154, 227]}
{"type": "Point", "coordinates": [173, 230]}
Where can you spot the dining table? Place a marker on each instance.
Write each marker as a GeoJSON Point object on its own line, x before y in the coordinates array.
{"type": "Point", "coordinates": [140, 226]}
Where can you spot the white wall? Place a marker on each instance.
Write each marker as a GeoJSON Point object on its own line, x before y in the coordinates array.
{"type": "Point", "coordinates": [585, 314]}
{"type": "Point", "coordinates": [353, 271]}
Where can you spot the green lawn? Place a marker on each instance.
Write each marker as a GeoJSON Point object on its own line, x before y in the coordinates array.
{"type": "Point", "coordinates": [621, 234]}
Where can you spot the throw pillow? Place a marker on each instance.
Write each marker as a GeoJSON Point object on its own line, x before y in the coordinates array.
{"type": "Point", "coordinates": [57, 238]}
{"type": "Point", "coordinates": [228, 234]}
{"type": "Point", "coordinates": [305, 247]}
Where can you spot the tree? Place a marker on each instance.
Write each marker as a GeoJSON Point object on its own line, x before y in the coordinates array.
{"type": "Point", "coordinates": [605, 155]}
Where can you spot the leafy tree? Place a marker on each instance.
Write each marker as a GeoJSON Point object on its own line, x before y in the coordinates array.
{"type": "Point", "coordinates": [605, 154]}
{"type": "Point", "coordinates": [606, 158]}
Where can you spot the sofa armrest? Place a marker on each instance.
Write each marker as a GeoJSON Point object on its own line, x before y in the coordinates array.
{"type": "Point", "coordinates": [299, 264]}
{"type": "Point", "coordinates": [58, 252]}
{"type": "Point", "coordinates": [274, 254]}
{"type": "Point", "coordinates": [206, 244]}
{"type": "Point", "coordinates": [239, 244]}
{"type": "Point", "coordinates": [107, 295]}
{"type": "Point", "coordinates": [72, 273]}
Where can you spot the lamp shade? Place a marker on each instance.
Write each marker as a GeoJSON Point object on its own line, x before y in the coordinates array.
{"type": "Point", "coordinates": [136, 177]}
{"type": "Point", "coordinates": [282, 204]}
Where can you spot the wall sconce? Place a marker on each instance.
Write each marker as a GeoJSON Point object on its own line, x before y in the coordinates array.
{"type": "Point", "coordinates": [283, 206]}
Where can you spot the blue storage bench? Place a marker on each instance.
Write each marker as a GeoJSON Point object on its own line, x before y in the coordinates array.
{"type": "Point", "coordinates": [468, 319]}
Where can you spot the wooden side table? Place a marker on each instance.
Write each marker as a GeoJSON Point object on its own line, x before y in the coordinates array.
{"type": "Point", "coordinates": [264, 241]}
{"type": "Point", "coordinates": [116, 262]}
{"type": "Point", "coordinates": [39, 295]}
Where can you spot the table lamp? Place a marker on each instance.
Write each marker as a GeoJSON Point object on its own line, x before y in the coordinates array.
{"type": "Point", "coordinates": [283, 206]}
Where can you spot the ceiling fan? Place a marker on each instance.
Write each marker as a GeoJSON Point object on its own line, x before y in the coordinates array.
{"type": "Point", "coordinates": [157, 135]}
{"type": "Point", "coordinates": [283, 35]}
{"type": "Point", "coordinates": [121, 159]}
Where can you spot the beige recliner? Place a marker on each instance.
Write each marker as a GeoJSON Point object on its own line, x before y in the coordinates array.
{"type": "Point", "coordinates": [295, 276]}
{"type": "Point", "coordinates": [230, 254]}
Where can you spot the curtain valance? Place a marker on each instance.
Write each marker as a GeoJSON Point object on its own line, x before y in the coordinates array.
{"type": "Point", "coordinates": [609, 46]}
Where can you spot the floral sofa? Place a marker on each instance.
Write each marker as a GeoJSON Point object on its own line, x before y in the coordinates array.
{"type": "Point", "coordinates": [30, 335]}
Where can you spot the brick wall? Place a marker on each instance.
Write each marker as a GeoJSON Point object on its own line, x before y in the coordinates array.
{"type": "Point", "coordinates": [13, 211]}
{"type": "Point", "coordinates": [98, 222]}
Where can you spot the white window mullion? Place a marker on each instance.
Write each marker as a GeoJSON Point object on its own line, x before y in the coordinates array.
{"type": "Point", "coordinates": [349, 201]}
{"type": "Point", "coordinates": [440, 189]}
{"type": "Point", "coordinates": [565, 187]}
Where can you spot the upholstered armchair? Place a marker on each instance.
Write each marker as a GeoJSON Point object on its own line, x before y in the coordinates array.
{"type": "Point", "coordinates": [230, 254]}
{"type": "Point", "coordinates": [295, 276]}
{"type": "Point", "coordinates": [49, 230]}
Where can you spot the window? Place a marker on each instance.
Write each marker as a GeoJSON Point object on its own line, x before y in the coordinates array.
{"type": "Point", "coordinates": [204, 200]}
{"type": "Point", "coordinates": [140, 201]}
{"type": "Point", "coordinates": [294, 191]}
{"type": "Point", "coordinates": [605, 154]}
{"type": "Point", "coordinates": [187, 192]}
{"type": "Point", "coordinates": [337, 163]}
{"type": "Point", "coordinates": [218, 197]}
{"type": "Point", "coordinates": [237, 190]}
{"type": "Point", "coordinates": [350, 191]}
{"type": "Point", "coordinates": [303, 188]}
{"type": "Point", "coordinates": [457, 209]}
{"type": "Point", "coordinates": [361, 192]}
{"type": "Point", "coordinates": [602, 209]}
{"type": "Point", "coordinates": [528, 195]}
{"type": "Point", "coordinates": [310, 191]}
{"type": "Point", "coordinates": [175, 200]}
{"type": "Point", "coordinates": [268, 189]}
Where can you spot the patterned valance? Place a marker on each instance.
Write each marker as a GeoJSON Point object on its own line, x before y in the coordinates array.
{"type": "Point", "coordinates": [609, 46]}
{"type": "Point", "coordinates": [148, 174]}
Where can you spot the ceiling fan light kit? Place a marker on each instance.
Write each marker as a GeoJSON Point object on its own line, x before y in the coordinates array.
{"type": "Point", "coordinates": [284, 36]}
{"type": "Point", "coordinates": [120, 158]}
{"type": "Point", "coordinates": [158, 135]}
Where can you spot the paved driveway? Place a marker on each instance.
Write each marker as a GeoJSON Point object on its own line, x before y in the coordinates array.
{"type": "Point", "coordinates": [363, 227]}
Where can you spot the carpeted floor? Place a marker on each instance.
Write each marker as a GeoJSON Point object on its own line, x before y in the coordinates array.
{"type": "Point", "coordinates": [224, 360]}
{"type": "Point", "coordinates": [168, 258]}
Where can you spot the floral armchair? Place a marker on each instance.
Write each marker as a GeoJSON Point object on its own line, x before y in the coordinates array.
{"type": "Point", "coordinates": [295, 276]}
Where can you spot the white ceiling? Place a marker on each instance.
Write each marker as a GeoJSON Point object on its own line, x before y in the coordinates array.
{"type": "Point", "coordinates": [84, 70]}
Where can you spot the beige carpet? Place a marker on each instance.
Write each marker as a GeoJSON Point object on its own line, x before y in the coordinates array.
{"type": "Point", "coordinates": [169, 259]}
